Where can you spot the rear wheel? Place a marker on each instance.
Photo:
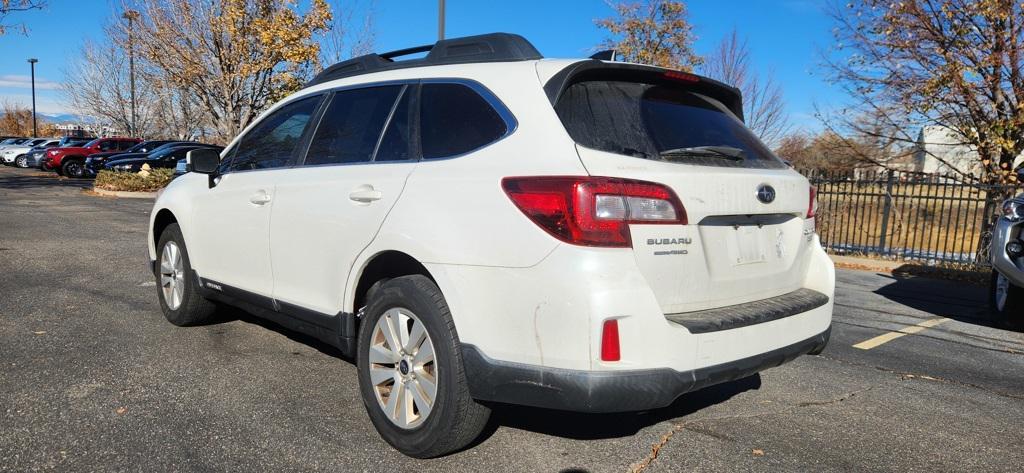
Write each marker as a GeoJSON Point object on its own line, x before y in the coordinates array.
{"type": "Point", "coordinates": [411, 375]}
{"type": "Point", "coordinates": [1006, 300]}
{"type": "Point", "coordinates": [72, 168]}
{"type": "Point", "coordinates": [180, 300]}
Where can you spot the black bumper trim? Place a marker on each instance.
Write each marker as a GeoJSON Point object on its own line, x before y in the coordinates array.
{"type": "Point", "coordinates": [750, 313]}
{"type": "Point", "coordinates": [610, 391]}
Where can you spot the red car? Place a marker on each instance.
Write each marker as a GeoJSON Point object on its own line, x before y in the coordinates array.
{"type": "Point", "coordinates": [70, 161]}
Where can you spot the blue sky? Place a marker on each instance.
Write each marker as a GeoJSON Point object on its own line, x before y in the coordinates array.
{"type": "Point", "coordinates": [785, 38]}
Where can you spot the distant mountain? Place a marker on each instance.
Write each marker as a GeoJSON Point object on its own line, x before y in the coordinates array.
{"type": "Point", "coordinates": [65, 118]}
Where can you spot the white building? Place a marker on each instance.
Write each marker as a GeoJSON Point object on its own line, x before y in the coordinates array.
{"type": "Point", "coordinates": [940, 150]}
{"type": "Point", "coordinates": [87, 129]}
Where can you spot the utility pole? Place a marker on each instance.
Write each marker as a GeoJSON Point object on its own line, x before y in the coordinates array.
{"type": "Point", "coordinates": [32, 62]}
{"type": "Point", "coordinates": [130, 15]}
{"type": "Point", "coordinates": [440, 20]}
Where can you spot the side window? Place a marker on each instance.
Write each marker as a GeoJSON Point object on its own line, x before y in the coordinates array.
{"type": "Point", "coordinates": [394, 145]}
{"type": "Point", "coordinates": [179, 154]}
{"type": "Point", "coordinates": [454, 119]}
{"type": "Point", "coordinates": [272, 142]}
{"type": "Point", "coordinates": [351, 126]}
{"type": "Point", "coordinates": [108, 145]}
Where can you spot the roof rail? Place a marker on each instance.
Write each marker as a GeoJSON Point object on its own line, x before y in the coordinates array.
{"type": "Point", "coordinates": [493, 47]}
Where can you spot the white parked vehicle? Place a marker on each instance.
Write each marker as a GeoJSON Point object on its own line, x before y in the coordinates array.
{"type": "Point", "coordinates": [485, 225]}
{"type": "Point", "coordinates": [18, 153]}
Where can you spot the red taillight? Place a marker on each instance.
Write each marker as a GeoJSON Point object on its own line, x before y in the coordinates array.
{"type": "Point", "coordinates": [610, 341]}
{"type": "Point", "coordinates": [593, 211]}
{"type": "Point", "coordinates": [812, 206]}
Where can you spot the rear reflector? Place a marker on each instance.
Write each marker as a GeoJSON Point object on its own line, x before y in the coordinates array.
{"type": "Point", "coordinates": [593, 211]}
{"type": "Point", "coordinates": [610, 341]}
{"type": "Point", "coordinates": [812, 206]}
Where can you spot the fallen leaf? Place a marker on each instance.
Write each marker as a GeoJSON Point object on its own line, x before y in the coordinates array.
{"type": "Point", "coordinates": [41, 332]}
{"type": "Point", "coordinates": [121, 410]}
{"type": "Point", "coordinates": [758, 452]}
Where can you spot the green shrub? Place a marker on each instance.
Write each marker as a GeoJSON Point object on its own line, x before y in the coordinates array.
{"type": "Point", "coordinates": [133, 182]}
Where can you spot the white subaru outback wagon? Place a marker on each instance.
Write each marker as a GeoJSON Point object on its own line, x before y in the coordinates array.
{"type": "Point", "coordinates": [482, 225]}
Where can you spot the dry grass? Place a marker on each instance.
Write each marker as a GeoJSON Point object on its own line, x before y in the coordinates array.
{"type": "Point", "coordinates": [939, 218]}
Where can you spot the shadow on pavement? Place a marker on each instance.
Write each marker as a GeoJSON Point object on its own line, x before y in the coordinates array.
{"type": "Point", "coordinates": [964, 301]}
{"type": "Point", "coordinates": [545, 421]}
{"type": "Point", "coordinates": [30, 178]}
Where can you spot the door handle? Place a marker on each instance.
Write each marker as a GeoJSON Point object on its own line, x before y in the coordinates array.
{"type": "Point", "coordinates": [260, 198]}
{"type": "Point", "coordinates": [365, 194]}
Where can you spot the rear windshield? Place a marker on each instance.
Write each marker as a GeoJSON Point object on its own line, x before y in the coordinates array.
{"type": "Point", "coordinates": [659, 122]}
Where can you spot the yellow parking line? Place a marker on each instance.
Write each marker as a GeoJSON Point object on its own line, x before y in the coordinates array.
{"type": "Point", "coordinates": [888, 337]}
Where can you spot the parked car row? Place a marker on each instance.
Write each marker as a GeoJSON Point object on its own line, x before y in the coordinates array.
{"type": "Point", "coordinates": [28, 152]}
{"type": "Point", "coordinates": [86, 157]}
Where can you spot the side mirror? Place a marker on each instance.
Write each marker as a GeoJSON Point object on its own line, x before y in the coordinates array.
{"type": "Point", "coordinates": [203, 160]}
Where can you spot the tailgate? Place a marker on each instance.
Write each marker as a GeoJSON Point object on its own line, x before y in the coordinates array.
{"type": "Point", "coordinates": [734, 249]}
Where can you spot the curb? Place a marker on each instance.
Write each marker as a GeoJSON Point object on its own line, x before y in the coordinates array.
{"type": "Point", "coordinates": [125, 194]}
{"type": "Point", "coordinates": [865, 264]}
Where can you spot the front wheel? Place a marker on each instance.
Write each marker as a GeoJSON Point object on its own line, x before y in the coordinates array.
{"type": "Point", "coordinates": [21, 162]}
{"type": "Point", "coordinates": [1006, 300]}
{"type": "Point", "coordinates": [72, 168]}
{"type": "Point", "coordinates": [411, 375]}
{"type": "Point", "coordinates": [180, 300]}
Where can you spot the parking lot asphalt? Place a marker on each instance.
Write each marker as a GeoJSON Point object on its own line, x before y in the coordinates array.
{"type": "Point", "coordinates": [93, 378]}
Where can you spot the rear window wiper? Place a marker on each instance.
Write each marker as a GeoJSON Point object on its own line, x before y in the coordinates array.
{"type": "Point", "coordinates": [727, 152]}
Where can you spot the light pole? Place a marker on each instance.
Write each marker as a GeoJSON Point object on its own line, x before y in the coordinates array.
{"type": "Point", "coordinates": [130, 15]}
{"type": "Point", "coordinates": [33, 62]}
{"type": "Point", "coordinates": [440, 20]}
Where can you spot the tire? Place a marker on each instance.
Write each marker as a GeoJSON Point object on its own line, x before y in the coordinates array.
{"type": "Point", "coordinates": [72, 168]}
{"type": "Point", "coordinates": [182, 305]}
{"type": "Point", "coordinates": [21, 161]}
{"type": "Point", "coordinates": [1006, 301]}
{"type": "Point", "coordinates": [454, 419]}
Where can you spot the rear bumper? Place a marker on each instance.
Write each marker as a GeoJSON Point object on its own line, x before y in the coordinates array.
{"type": "Point", "coordinates": [611, 391]}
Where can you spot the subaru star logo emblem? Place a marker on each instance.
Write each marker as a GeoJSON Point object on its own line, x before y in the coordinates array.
{"type": "Point", "coordinates": [765, 193]}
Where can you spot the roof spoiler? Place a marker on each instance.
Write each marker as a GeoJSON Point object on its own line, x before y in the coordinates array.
{"type": "Point", "coordinates": [594, 69]}
{"type": "Point", "coordinates": [493, 47]}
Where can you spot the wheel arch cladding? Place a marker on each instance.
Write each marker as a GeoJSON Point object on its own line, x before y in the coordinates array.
{"type": "Point", "coordinates": [383, 266]}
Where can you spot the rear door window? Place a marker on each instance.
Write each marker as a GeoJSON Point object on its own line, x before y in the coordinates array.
{"type": "Point", "coordinates": [659, 122]}
{"type": "Point", "coordinates": [351, 126]}
{"type": "Point", "coordinates": [395, 145]}
{"type": "Point", "coordinates": [455, 119]}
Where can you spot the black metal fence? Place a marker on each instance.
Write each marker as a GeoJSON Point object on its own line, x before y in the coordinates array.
{"type": "Point", "coordinates": [925, 218]}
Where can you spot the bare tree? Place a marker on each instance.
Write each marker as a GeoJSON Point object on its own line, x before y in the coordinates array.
{"type": "Point", "coordinates": [655, 32]}
{"type": "Point", "coordinates": [96, 84]}
{"type": "Point", "coordinates": [8, 7]}
{"type": "Point", "coordinates": [348, 35]}
{"type": "Point", "coordinates": [764, 108]}
{"type": "Point", "coordinates": [955, 64]}
{"type": "Point", "coordinates": [233, 57]}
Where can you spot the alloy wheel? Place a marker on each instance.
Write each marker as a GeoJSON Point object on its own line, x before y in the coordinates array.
{"type": "Point", "coordinates": [21, 162]}
{"type": "Point", "coordinates": [74, 169]}
{"type": "Point", "coordinates": [172, 275]}
{"type": "Point", "coordinates": [402, 368]}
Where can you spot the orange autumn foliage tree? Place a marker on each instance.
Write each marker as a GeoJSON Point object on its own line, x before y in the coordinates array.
{"type": "Point", "coordinates": [655, 32]}
{"type": "Point", "coordinates": [234, 57]}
